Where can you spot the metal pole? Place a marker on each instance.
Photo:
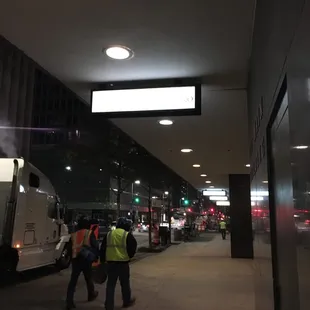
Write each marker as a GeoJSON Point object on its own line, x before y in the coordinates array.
{"type": "Point", "coordinates": [131, 211]}
{"type": "Point", "coordinates": [150, 215]}
{"type": "Point", "coordinates": [169, 217]}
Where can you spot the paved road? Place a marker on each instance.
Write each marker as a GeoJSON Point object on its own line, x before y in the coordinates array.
{"type": "Point", "coordinates": [142, 238]}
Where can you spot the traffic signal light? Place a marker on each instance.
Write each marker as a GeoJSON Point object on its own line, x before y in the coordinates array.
{"type": "Point", "coordinates": [137, 200]}
{"type": "Point", "coordinates": [186, 202]}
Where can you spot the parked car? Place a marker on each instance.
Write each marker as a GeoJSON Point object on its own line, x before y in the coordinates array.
{"type": "Point", "coordinates": [143, 227]}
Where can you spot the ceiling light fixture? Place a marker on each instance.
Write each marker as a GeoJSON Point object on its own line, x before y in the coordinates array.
{"type": "Point", "coordinates": [119, 52]}
{"type": "Point", "coordinates": [248, 165]}
{"type": "Point", "coordinates": [166, 122]}
{"type": "Point", "coordinates": [265, 182]}
{"type": "Point", "coordinates": [186, 150]}
{"type": "Point", "coordinates": [203, 175]}
{"type": "Point", "coordinates": [211, 186]}
{"type": "Point", "coordinates": [208, 182]}
{"type": "Point", "coordinates": [196, 166]}
{"type": "Point", "coordinates": [301, 147]}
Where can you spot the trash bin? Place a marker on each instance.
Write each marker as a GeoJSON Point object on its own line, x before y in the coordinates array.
{"type": "Point", "coordinates": [163, 235]}
{"type": "Point", "coordinates": [177, 235]}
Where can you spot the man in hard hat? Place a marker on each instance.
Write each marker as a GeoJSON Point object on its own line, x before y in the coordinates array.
{"type": "Point", "coordinates": [84, 252]}
{"type": "Point", "coordinates": [117, 248]}
{"type": "Point", "coordinates": [223, 228]}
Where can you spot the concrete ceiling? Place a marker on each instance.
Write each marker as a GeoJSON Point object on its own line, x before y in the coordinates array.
{"type": "Point", "coordinates": [170, 39]}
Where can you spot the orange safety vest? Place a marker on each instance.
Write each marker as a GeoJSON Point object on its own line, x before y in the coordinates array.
{"type": "Point", "coordinates": [79, 239]}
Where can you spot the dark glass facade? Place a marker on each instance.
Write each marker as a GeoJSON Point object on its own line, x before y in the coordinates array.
{"type": "Point", "coordinates": [16, 98]}
{"type": "Point", "coordinates": [279, 112]}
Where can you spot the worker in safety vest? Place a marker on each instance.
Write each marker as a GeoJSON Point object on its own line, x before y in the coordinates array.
{"type": "Point", "coordinates": [223, 228]}
{"type": "Point", "coordinates": [85, 251]}
{"type": "Point", "coordinates": [117, 248]}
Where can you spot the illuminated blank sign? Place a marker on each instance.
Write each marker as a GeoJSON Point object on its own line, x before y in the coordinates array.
{"type": "Point", "coordinates": [214, 193]}
{"type": "Point", "coordinates": [146, 100]}
{"type": "Point", "coordinates": [218, 198]}
{"type": "Point", "coordinates": [260, 193]}
{"type": "Point", "coordinates": [223, 203]}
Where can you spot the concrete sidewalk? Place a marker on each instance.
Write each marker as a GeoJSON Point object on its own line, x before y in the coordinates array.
{"type": "Point", "coordinates": [195, 275]}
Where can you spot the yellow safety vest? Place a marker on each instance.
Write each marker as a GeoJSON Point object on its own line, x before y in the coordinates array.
{"type": "Point", "coordinates": [222, 225]}
{"type": "Point", "coordinates": [79, 239]}
{"type": "Point", "coordinates": [116, 246]}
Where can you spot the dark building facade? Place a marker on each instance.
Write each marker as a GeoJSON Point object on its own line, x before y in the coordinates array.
{"type": "Point", "coordinates": [91, 162]}
{"type": "Point", "coordinates": [279, 112]}
{"type": "Point", "coordinates": [16, 98]}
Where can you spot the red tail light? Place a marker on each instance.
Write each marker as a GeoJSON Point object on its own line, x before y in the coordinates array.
{"type": "Point", "coordinates": [307, 222]}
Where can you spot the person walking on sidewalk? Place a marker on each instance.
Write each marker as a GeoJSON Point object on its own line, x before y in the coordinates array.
{"type": "Point", "coordinates": [85, 251]}
{"type": "Point", "coordinates": [223, 229]}
{"type": "Point", "coordinates": [117, 248]}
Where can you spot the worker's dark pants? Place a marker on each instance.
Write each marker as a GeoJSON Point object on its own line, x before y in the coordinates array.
{"type": "Point", "coordinates": [223, 232]}
{"type": "Point", "coordinates": [115, 271]}
{"type": "Point", "coordinates": [80, 265]}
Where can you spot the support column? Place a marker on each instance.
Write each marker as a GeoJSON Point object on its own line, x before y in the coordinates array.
{"type": "Point", "coordinates": [240, 216]}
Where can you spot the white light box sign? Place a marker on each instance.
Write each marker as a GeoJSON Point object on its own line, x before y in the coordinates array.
{"type": "Point", "coordinates": [145, 101]}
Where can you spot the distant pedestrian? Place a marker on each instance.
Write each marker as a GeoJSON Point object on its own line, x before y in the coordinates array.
{"type": "Point", "coordinates": [117, 248]}
{"type": "Point", "coordinates": [84, 252]}
{"type": "Point", "coordinates": [223, 228]}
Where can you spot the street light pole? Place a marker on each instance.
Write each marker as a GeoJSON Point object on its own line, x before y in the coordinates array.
{"type": "Point", "coordinates": [150, 214]}
{"type": "Point", "coordinates": [131, 195]}
{"type": "Point", "coordinates": [169, 215]}
{"type": "Point", "coordinates": [132, 203]}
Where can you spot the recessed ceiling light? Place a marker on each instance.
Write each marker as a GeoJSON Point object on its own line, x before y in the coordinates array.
{"type": "Point", "coordinates": [119, 52]}
{"type": "Point", "coordinates": [203, 175]}
{"type": "Point", "coordinates": [186, 150]}
{"type": "Point", "coordinates": [166, 122]}
{"type": "Point", "coordinates": [196, 165]}
{"type": "Point", "coordinates": [248, 165]}
{"type": "Point", "coordinates": [301, 147]}
{"type": "Point", "coordinates": [208, 182]}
